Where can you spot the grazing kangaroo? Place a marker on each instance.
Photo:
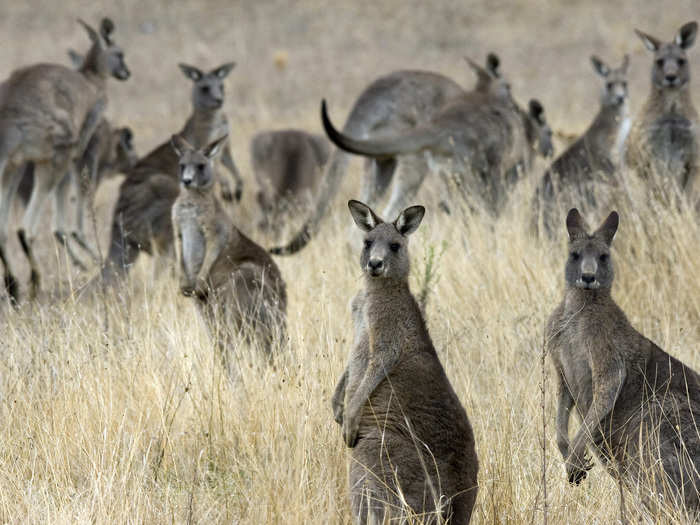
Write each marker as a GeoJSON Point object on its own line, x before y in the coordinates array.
{"type": "Point", "coordinates": [412, 444]}
{"type": "Point", "coordinates": [479, 141]}
{"type": "Point", "coordinates": [390, 105]}
{"type": "Point", "coordinates": [664, 139]}
{"type": "Point", "coordinates": [638, 405]}
{"type": "Point", "coordinates": [234, 280]}
{"type": "Point", "coordinates": [141, 219]}
{"type": "Point", "coordinates": [594, 157]}
{"type": "Point", "coordinates": [287, 165]}
{"type": "Point", "coordinates": [48, 114]}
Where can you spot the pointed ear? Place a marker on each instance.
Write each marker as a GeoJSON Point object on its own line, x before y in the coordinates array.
{"type": "Point", "coordinates": [363, 215]}
{"type": "Point", "coordinates": [223, 71]}
{"type": "Point", "coordinates": [126, 137]}
{"type": "Point", "coordinates": [106, 29]}
{"type": "Point", "coordinates": [76, 58]}
{"type": "Point", "coordinates": [213, 149]}
{"type": "Point", "coordinates": [651, 43]}
{"type": "Point", "coordinates": [180, 145]}
{"type": "Point", "coordinates": [575, 225]}
{"type": "Point", "coordinates": [686, 35]}
{"type": "Point", "coordinates": [483, 77]}
{"type": "Point", "coordinates": [625, 63]}
{"type": "Point", "coordinates": [191, 72]}
{"type": "Point", "coordinates": [408, 220]}
{"type": "Point", "coordinates": [600, 66]}
{"type": "Point", "coordinates": [94, 36]}
{"type": "Point", "coordinates": [493, 64]}
{"type": "Point", "coordinates": [608, 228]}
{"type": "Point", "coordinates": [536, 111]}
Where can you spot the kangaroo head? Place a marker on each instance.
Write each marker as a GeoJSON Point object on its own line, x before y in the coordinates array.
{"type": "Point", "coordinates": [385, 250]}
{"type": "Point", "coordinates": [122, 148]}
{"type": "Point", "coordinates": [615, 87]}
{"type": "Point", "coordinates": [208, 88]}
{"type": "Point", "coordinates": [196, 165]}
{"type": "Point", "coordinates": [489, 79]}
{"type": "Point", "coordinates": [539, 134]}
{"type": "Point", "coordinates": [670, 69]}
{"type": "Point", "coordinates": [589, 266]}
{"type": "Point", "coordinates": [105, 58]}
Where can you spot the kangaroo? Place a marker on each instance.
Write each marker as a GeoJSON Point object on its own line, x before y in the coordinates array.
{"type": "Point", "coordinates": [287, 165]}
{"type": "Point", "coordinates": [412, 443]}
{"type": "Point", "coordinates": [109, 151]}
{"type": "Point", "coordinates": [141, 219]}
{"type": "Point", "coordinates": [48, 114]}
{"type": "Point", "coordinates": [663, 140]}
{"type": "Point", "coordinates": [638, 405]}
{"type": "Point", "coordinates": [594, 157]}
{"type": "Point", "coordinates": [478, 141]}
{"type": "Point", "coordinates": [391, 104]}
{"type": "Point", "coordinates": [233, 279]}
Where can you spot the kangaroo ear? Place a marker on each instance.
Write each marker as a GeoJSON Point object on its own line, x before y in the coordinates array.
{"type": "Point", "coordinates": [600, 66]}
{"type": "Point", "coordinates": [213, 149]}
{"type": "Point", "coordinates": [408, 220]}
{"type": "Point", "coordinates": [94, 36]}
{"type": "Point", "coordinates": [651, 43]}
{"type": "Point", "coordinates": [608, 228]}
{"type": "Point", "coordinates": [76, 58]}
{"type": "Point", "coordinates": [363, 215]}
{"type": "Point", "coordinates": [536, 111]}
{"type": "Point", "coordinates": [575, 225]}
{"type": "Point", "coordinates": [191, 72]}
{"type": "Point", "coordinates": [625, 63]}
{"type": "Point", "coordinates": [686, 35]}
{"type": "Point", "coordinates": [493, 64]}
{"type": "Point", "coordinates": [483, 77]}
{"type": "Point", "coordinates": [106, 29]}
{"type": "Point", "coordinates": [126, 137]}
{"type": "Point", "coordinates": [180, 145]}
{"type": "Point", "coordinates": [223, 71]}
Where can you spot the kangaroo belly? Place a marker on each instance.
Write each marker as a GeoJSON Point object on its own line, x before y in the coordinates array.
{"type": "Point", "coordinates": [193, 247]}
{"type": "Point", "coordinates": [672, 139]}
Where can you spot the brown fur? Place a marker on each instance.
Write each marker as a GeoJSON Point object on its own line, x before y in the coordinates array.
{"type": "Point", "coordinates": [235, 281]}
{"type": "Point", "coordinates": [408, 431]}
{"type": "Point", "coordinates": [638, 405]}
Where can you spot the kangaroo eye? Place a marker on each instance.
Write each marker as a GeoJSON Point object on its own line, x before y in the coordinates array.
{"type": "Point", "coordinates": [660, 62]}
{"type": "Point", "coordinates": [604, 257]}
{"type": "Point", "coordinates": [609, 86]}
{"type": "Point", "coordinates": [681, 62]}
{"type": "Point", "coordinates": [205, 89]}
{"type": "Point", "coordinates": [394, 246]}
{"type": "Point", "coordinates": [201, 167]}
{"type": "Point", "coordinates": [368, 243]}
{"type": "Point", "coordinates": [575, 256]}
{"type": "Point", "coordinates": [182, 168]}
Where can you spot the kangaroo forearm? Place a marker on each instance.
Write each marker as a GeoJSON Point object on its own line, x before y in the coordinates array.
{"type": "Point", "coordinates": [565, 403]}
{"type": "Point", "coordinates": [338, 400]}
{"type": "Point", "coordinates": [227, 160]}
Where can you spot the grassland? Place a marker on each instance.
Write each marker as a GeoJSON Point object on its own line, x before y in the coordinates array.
{"type": "Point", "coordinates": [118, 411]}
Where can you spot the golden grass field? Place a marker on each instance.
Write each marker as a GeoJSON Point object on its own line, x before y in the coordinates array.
{"type": "Point", "coordinates": [118, 410]}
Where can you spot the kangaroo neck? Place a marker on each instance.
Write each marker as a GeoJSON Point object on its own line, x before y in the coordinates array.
{"type": "Point", "coordinates": [603, 132]}
{"type": "Point", "coordinates": [577, 299]}
{"type": "Point", "coordinates": [671, 101]}
{"type": "Point", "coordinates": [389, 298]}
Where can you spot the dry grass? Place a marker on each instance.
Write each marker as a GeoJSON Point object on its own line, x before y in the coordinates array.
{"type": "Point", "coordinates": [133, 420]}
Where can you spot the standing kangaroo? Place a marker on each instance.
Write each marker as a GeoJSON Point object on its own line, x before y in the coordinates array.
{"type": "Point", "coordinates": [664, 139]}
{"type": "Point", "coordinates": [48, 114]}
{"type": "Point", "coordinates": [638, 406]}
{"type": "Point", "coordinates": [287, 165]}
{"type": "Point", "coordinates": [234, 280]}
{"type": "Point", "coordinates": [141, 219]}
{"type": "Point", "coordinates": [412, 444]}
{"type": "Point", "coordinates": [391, 104]}
{"type": "Point", "coordinates": [593, 158]}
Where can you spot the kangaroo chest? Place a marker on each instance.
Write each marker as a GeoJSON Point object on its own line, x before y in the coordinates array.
{"type": "Point", "coordinates": [193, 241]}
{"type": "Point", "coordinates": [672, 137]}
{"type": "Point", "coordinates": [202, 130]}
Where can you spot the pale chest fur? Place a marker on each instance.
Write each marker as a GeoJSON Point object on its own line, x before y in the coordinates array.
{"type": "Point", "coordinates": [202, 128]}
{"type": "Point", "coordinates": [194, 218]}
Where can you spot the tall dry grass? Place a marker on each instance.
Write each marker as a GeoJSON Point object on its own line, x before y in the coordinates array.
{"type": "Point", "coordinates": [119, 411]}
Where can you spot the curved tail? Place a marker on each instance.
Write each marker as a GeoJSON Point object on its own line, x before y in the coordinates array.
{"type": "Point", "coordinates": [385, 148]}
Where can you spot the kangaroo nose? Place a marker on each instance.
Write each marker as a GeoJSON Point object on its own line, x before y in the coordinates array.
{"type": "Point", "coordinates": [671, 78]}
{"type": "Point", "coordinates": [187, 182]}
{"type": "Point", "coordinates": [375, 264]}
{"type": "Point", "coordinates": [588, 278]}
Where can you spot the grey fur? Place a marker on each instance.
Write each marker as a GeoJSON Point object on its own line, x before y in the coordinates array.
{"type": "Point", "coordinates": [664, 139]}
{"type": "Point", "coordinates": [638, 405]}
{"type": "Point", "coordinates": [287, 165]}
{"type": "Point", "coordinates": [48, 115]}
{"type": "Point", "coordinates": [141, 219]}
{"type": "Point", "coordinates": [237, 285]}
{"type": "Point", "coordinates": [591, 161]}
{"type": "Point", "coordinates": [408, 431]}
